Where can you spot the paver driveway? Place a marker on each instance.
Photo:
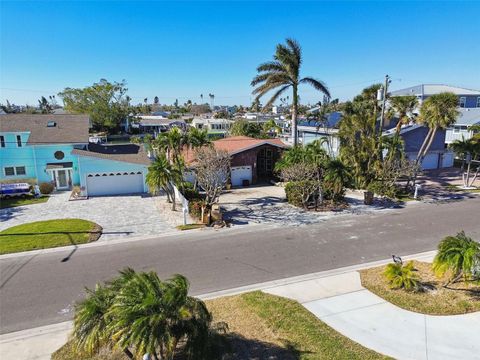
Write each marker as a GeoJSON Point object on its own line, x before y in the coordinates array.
{"type": "Point", "coordinates": [267, 204]}
{"type": "Point", "coordinates": [118, 215]}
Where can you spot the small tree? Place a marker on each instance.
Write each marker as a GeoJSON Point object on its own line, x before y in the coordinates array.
{"type": "Point", "coordinates": [212, 168]}
{"type": "Point", "coordinates": [459, 255]}
{"type": "Point", "coordinates": [161, 175]}
{"type": "Point", "coordinates": [469, 150]}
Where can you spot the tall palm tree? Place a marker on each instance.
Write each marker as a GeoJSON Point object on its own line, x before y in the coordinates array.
{"type": "Point", "coordinates": [161, 174]}
{"type": "Point", "coordinates": [402, 107]}
{"type": "Point", "coordinates": [458, 254]}
{"type": "Point", "coordinates": [439, 111]}
{"type": "Point", "coordinates": [153, 316]}
{"type": "Point", "coordinates": [281, 74]}
{"type": "Point", "coordinates": [198, 138]}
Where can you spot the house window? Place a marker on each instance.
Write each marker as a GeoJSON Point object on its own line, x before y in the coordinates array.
{"type": "Point", "coordinates": [2, 140]}
{"type": "Point", "coordinates": [59, 155]}
{"type": "Point", "coordinates": [19, 141]}
{"type": "Point", "coordinates": [463, 101]}
{"type": "Point", "coordinates": [20, 170]}
{"type": "Point", "coordinates": [9, 171]}
{"type": "Point", "coordinates": [478, 102]}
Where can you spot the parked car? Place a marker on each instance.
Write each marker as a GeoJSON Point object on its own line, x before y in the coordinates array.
{"type": "Point", "coordinates": [16, 189]}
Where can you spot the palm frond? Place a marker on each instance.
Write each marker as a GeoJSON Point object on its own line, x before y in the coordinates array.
{"type": "Point", "coordinates": [275, 96]}
{"type": "Point", "coordinates": [317, 84]}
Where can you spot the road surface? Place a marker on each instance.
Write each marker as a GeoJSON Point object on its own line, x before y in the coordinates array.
{"type": "Point", "coordinates": [41, 289]}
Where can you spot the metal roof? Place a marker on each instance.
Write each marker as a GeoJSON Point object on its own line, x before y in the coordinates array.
{"type": "Point", "coordinates": [468, 116]}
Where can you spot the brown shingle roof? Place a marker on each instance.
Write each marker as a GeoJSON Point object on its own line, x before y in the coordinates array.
{"type": "Point", "coordinates": [130, 153]}
{"type": "Point", "coordinates": [236, 144]}
{"type": "Point", "coordinates": [68, 129]}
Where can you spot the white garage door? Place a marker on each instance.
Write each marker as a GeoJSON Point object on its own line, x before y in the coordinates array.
{"type": "Point", "coordinates": [240, 173]}
{"type": "Point", "coordinates": [430, 162]}
{"type": "Point", "coordinates": [114, 183]}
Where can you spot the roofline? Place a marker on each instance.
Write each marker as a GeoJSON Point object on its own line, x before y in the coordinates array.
{"type": "Point", "coordinates": [102, 158]}
{"type": "Point", "coordinates": [256, 145]}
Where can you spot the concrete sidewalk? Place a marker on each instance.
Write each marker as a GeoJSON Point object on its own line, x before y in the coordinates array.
{"type": "Point", "coordinates": [337, 298]}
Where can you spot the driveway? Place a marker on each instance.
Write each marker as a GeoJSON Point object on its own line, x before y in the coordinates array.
{"type": "Point", "coordinates": [119, 216]}
{"type": "Point", "coordinates": [267, 204]}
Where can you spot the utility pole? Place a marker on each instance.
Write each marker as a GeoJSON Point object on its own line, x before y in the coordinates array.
{"type": "Point", "coordinates": [384, 100]}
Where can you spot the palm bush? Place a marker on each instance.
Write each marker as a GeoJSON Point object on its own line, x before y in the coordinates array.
{"type": "Point", "coordinates": [402, 276]}
{"type": "Point", "coordinates": [459, 255]}
{"type": "Point", "coordinates": [139, 314]}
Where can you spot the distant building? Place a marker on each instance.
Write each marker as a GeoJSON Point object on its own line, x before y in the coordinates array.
{"type": "Point", "coordinates": [462, 128]}
{"type": "Point", "coordinates": [467, 98]}
{"type": "Point", "coordinates": [215, 127]}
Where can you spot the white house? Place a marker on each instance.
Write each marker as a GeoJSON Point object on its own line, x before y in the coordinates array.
{"type": "Point", "coordinates": [468, 117]}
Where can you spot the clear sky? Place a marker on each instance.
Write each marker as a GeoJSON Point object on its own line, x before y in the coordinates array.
{"type": "Point", "coordinates": [184, 49]}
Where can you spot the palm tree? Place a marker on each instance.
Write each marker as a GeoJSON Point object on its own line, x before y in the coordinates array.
{"type": "Point", "coordinates": [403, 107]}
{"type": "Point", "coordinates": [439, 111]}
{"type": "Point", "coordinates": [469, 150]}
{"type": "Point", "coordinates": [198, 138]}
{"type": "Point", "coordinates": [90, 330]}
{"type": "Point", "coordinates": [271, 126]}
{"type": "Point", "coordinates": [152, 316]}
{"type": "Point", "coordinates": [458, 254]}
{"type": "Point", "coordinates": [161, 174]}
{"type": "Point", "coordinates": [281, 74]}
{"type": "Point", "coordinates": [337, 176]}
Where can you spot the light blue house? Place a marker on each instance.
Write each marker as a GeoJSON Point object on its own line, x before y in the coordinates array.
{"type": "Point", "coordinates": [55, 148]}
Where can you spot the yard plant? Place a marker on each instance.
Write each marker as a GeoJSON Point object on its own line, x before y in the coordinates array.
{"type": "Point", "coordinates": [402, 276]}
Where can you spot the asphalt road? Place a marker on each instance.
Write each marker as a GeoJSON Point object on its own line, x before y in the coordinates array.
{"type": "Point", "coordinates": [41, 289]}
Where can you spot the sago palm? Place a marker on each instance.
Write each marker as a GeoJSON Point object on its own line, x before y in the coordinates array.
{"type": "Point", "coordinates": [401, 276]}
{"type": "Point", "coordinates": [281, 74]}
{"type": "Point", "coordinates": [337, 176]}
{"type": "Point", "coordinates": [457, 254]}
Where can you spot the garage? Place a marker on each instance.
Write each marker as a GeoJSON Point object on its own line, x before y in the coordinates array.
{"type": "Point", "coordinates": [241, 173]}
{"type": "Point", "coordinates": [119, 183]}
{"type": "Point", "coordinates": [430, 162]}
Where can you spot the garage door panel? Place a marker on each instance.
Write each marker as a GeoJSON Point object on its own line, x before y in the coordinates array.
{"type": "Point", "coordinates": [115, 183]}
{"type": "Point", "coordinates": [430, 162]}
{"type": "Point", "coordinates": [240, 173]}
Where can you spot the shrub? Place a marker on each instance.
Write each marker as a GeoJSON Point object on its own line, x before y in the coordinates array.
{"type": "Point", "coordinates": [46, 188]}
{"type": "Point", "coordinates": [195, 208]}
{"type": "Point", "coordinates": [301, 193]}
{"type": "Point", "coordinates": [402, 276]}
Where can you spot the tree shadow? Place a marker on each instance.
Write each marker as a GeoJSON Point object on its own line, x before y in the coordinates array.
{"type": "Point", "coordinates": [10, 213]}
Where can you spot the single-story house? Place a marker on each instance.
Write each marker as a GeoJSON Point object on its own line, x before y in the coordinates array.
{"type": "Point", "coordinates": [438, 155]}
{"type": "Point", "coordinates": [56, 149]}
{"type": "Point", "coordinates": [154, 124]}
{"type": "Point", "coordinates": [252, 159]}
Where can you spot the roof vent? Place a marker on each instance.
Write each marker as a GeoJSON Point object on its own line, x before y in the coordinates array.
{"type": "Point", "coordinates": [51, 123]}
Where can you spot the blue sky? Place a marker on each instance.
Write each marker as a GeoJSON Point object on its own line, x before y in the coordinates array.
{"type": "Point", "coordinates": [184, 49]}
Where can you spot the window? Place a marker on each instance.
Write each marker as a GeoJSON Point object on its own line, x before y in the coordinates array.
{"type": "Point", "coordinates": [9, 171]}
{"type": "Point", "coordinates": [59, 155]}
{"type": "Point", "coordinates": [463, 101]}
{"type": "Point", "coordinates": [17, 170]}
{"type": "Point", "coordinates": [20, 170]}
{"type": "Point", "coordinates": [2, 140]}
{"type": "Point", "coordinates": [478, 102]}
{"type": "Point", "coordinates": [19, 141]}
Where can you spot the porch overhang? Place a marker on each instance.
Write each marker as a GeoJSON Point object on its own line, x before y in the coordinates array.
{"type": "Point", "coordinates": [61, 165]}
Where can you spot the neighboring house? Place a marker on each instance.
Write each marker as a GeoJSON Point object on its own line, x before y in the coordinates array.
{"type": "Point", "coordinates": [413, 136]}
{"type": "Point", "coordinates": [55, 148]}
{"type": "Point", "coordinates": [156, 124]}
{"type": "Point", "coordinates": [461, 130]}
{"type": "Point", "coordinates": [311, 130]}
{"type": "Point", "coordinates": [215, 127]}
{"type": "Point", "coordinates": [251, 159]}
{"type": "Point", "coordinates": [467, 98]}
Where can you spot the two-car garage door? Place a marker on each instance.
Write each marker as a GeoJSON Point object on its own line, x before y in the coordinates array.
{"type": "Point", "coordinates": [115, 183]}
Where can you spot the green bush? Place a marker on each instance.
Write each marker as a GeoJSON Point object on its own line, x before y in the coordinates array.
{"type": "Point", "coordinates": [402, 276]}
{"type": "Point", "coordinates": [301, 193]}
{"type": "Point", "coordinates": [46, 188]}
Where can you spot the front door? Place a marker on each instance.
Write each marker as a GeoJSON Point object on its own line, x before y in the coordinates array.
{"type": "Point", "coordinates": [62, 179]}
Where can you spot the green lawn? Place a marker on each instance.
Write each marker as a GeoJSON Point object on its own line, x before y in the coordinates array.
{"type": "Point", "coordinates": [48, 234]}
{"type": "Point", "coordinates": [18, 201]}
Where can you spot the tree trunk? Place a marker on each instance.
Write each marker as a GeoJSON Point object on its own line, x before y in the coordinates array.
{"type": "Point", "coordinates": [466, 182]}
{"type": "Point", "coordinates": [294, 116]}
{"type": "Point", "coordinates": [128, 353]}
{"type": "Point", "coordinates": [423, 151]}
{"type": "Point", "coordinates": [173, 198]}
